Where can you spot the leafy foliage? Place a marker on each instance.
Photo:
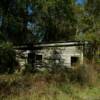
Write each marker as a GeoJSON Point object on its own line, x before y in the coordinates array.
{"type": "Point", "coordinates": [8, 61]}
{"type": "Point", "coordinates": [52, 18]}
{"type": "Point", "coordinates": [57, 20]}
{"type": "Point", "coordinates": [88, 25]}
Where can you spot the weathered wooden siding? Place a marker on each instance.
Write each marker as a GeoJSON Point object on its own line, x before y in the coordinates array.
{"type": "Point", "coordinates": [65, 52]}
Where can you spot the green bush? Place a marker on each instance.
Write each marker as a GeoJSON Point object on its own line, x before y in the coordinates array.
{"type": "Point", "coordinates": [8, 61]}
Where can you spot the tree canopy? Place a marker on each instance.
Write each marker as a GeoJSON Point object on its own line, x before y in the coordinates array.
{"type": "Point", "coordinates": [25, 21]}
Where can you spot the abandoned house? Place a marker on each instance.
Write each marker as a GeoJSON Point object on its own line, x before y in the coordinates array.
{"type": "Point", "coordinates": [66, 53]}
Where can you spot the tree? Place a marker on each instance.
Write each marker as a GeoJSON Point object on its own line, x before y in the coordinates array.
{"type": "Point", "coordinates": [14, 22]}
{"type": "Point", "coordinates": [55, 19]}
{"type": "Point", "coordinates": [90, 23]}
{"type": "Point", "coordinates": [52, 20]}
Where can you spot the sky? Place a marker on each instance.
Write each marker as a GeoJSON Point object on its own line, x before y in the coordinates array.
{"type": "Point", "coordinates": [80, 1]}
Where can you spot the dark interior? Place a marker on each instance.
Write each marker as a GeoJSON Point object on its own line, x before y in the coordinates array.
{"type": "Point", "coordinates": [74, 60]}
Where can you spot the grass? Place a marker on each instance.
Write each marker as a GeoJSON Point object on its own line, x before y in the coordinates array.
{"type": "Point", "coordinates": [54, 93]}
{"type": "Point", "coordinates": [37, 87]}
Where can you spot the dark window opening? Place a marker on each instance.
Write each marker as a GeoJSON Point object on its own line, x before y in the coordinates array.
{"type": "Point", "coordinates": [31, 57]}
{"type": "Point", "coordinates": [74, 60]}
{"type": "Point", "coordinates": [38, 57]}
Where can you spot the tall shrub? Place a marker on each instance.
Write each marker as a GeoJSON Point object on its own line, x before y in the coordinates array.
{"type": "Point", "coordinates": [7, 58]}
